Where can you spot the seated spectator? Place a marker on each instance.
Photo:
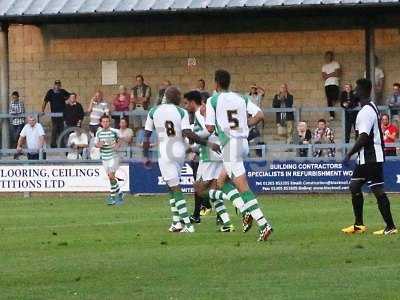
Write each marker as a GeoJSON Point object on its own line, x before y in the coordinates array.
{"type": "Point", "coordinates": [284, 120]}
{"type": "Point", "coordinates": [121, 104]}
{"type": "Point", "coordinates": [394, 101]}
{"type": "Point", "coordinates": [125, 135]}
{"type": "Point", "coordinates": [256, 95]}
{"type": "Point", "coordinates": [390, 132]}
{"type": "Point", "coordinates": [98, 107]}
{"type": "Point", "coordinates": [164, 85]}
{"type": "Point", "coordinates": [349, 102]}
{"type": "Point", "coordinates": [17, 119]}
{"type": "Point", "coordinates": [94, 152]}
{"type": "Point", "coordinates": [141, 94]}
{"type": "Point", "coordinates": [73, 113]}
{"type": "Point", "coordinates": [33, 136]}
{"type": "Point", "coordinates": [201, 87]}
{"type": "Point", "coordinates": [324, 135]}
{"type": "Point", "coordinates": [153, 142]}
{"type": "Point", "coordinates": [303, 138]}
{"type": "Point", "coordinates": [78, 142]}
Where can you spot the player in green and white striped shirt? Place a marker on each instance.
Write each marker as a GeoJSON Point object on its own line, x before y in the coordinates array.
{"type": "Point", "coordinates": [107, 140]}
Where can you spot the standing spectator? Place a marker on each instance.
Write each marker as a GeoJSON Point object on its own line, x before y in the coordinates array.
{"type": "Point", "coordinates": [141, 94]}
{"type": "Point", "coordinates": [57, 97]}
{"type": "Point", "coordinates": [78, 141]}
{"type": "Point", "coordinates": [17, 118]}
{"type": "Point", "coordinates": [256, 94]}
{"type": "Point", "coordinates": [303, 138]}
{"type": "Point", "coordinates": [379, 82]}
{"type": "Point", "coordinates": [164, 85]}
{"type": "Point", "coordinates": [73, 113]}
{"type": "Point", "coordinates": [33, 136]}
{"type": "Point", "coordinates": [125, 135]}
{"type": "Point", "coordinates": [324, 135]}
{"type": "Point", "coordinates": [284, 120]}
{"type": "Point", "coordinates": [390, 132]}
{"type": "Point", "coordinates": [121, 104]}
{"type": "Point", "coordinates": [331, 73]}
{"type": "Point", "coordinates": [394, 100]}
{"type": "Point", "coordinates": [201, 87]}
{"type": "Point", "coordinates": [97, 108]}
{"type": "Point", "coordinates": [349, 102]}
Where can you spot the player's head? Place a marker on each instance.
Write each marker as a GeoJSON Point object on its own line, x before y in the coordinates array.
{"type": "Point", "coordinates": [385, 119]}
{"type": "Point", "coordinates": [173, 95]}
{"type": "Point", "coordinates": [363, 89]}
{"type": "Point", "coordinates": [193, 99]}
{"type": "Point", "coordinates": [105, 122]}
{"type": "Point", "coordinates": [222, 80]}
{"type": "Point", "coordinates": [321, 124]}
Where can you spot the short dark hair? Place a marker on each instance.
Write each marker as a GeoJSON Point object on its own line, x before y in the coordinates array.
{"type": "Point", "coordinates": [173, 95]}
{"type": "Point", "coordinates": [365, 86]}
{"type": "Point", "coordinates": [193, 96]}
{"type": "Point", "coordinates": [73, 94]}
{"type": "Point", "coordinates": [104, 117]}
{"type": "Point", "coordinates": [223, 79]}
{"type": "Point", "coordinates": [396, 84]}
{"type": "Point", "coordinates": [329, 53]}
{"type": "Point", "coordinates": [15, 93]}
{"type": "Point", "coordinates": [322, 121]}
{"type": "Point", "coordinates": [140, 76]}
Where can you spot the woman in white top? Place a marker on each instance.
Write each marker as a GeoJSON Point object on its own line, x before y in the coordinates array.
{"type": "Point", "coordinates": [125, 135]}
{"type": "Point", "coordinates": [97, 108]}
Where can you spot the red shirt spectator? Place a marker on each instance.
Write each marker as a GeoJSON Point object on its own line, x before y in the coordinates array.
{"type": "Point", "coordinates": [122, 102]}
{"type": "Point", "coordinates": [390, 132]}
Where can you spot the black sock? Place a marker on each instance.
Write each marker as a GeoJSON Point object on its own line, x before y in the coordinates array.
{"type": "Point", "coordinates": [358, 203]}
{"type": "Point", "coordinates": [197, 206]}
{"type": "Point", "coordinates": [384, 208]}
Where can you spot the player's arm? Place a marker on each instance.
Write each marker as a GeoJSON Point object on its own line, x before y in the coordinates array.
{"type": "Point", "coordinates": [97, 142]}
{"type": "Point", "coordinates": [148, 129]}
{"type": "Point", "coordinates": [365, 125]}
{"type": "Point", "coordinates": [256, 114]}
{"type": "Point", "coordinates": [188, 133]}
{"type": "Point", "coordinates": [210, 117]}
{"type": "Point", "coordinates": [361, 142]}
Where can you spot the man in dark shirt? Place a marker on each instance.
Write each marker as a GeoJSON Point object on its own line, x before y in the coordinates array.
{"type": "Point", "coordinates": [57, 97]}
{"type": "Point", "coordinates": [349, 101]}
{"type": "Point", "coordinates": [73, 113]}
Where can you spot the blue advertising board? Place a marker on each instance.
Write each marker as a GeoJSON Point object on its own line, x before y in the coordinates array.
{"type": "Point", "coordinates": [271, 177]}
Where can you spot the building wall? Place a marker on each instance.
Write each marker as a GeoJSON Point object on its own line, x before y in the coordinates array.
{"type": "Point", "coordinates": [73, 54]}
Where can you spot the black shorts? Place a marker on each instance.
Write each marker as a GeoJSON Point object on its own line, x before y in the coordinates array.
{"type": "Point", "coordinates": [370, 173]}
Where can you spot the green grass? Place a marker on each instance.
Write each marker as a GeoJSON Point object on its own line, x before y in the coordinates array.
{"type": "Point", "coordinates": [69, 248]}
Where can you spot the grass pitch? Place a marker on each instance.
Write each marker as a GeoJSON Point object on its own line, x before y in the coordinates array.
{"type": "Point", "coordinates": [70, 248]}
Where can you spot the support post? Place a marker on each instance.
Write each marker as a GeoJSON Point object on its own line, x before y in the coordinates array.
{"type": "Point", "coordinates": [370, 56]}
{"type": "Point", "coordinates": [4, 84]}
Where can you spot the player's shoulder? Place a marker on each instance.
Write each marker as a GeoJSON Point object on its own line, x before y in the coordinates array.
{"type": "Point", "coordinates": [182, 112]}
{"type": "Point", "coordinates": [153, 110]}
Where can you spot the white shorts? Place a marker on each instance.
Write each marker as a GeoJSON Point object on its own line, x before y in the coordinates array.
{"type": "Point", "coordinates": [170, 171]}
{"type": "Point", "coordinates": [209, 170]}
{"type": "Point", "coordinates": [111, 165]}
{"type": "Point", "coordinates": [233, 153]}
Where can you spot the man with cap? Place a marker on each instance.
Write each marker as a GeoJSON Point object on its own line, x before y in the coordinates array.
{"type": "Point", "coordinates": [57, 97]}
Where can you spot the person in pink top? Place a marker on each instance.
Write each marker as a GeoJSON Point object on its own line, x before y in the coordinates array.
{"type": "Point", "coordinates": [121, 103]}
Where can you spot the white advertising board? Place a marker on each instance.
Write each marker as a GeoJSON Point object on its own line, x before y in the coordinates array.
{"type": "Point", "coordinates": [59, 178]}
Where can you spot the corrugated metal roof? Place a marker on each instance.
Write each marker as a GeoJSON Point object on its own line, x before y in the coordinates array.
{"type": "Point", "coordinates": [11, 8]}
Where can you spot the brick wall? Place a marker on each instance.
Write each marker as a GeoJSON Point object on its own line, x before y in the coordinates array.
{"type": "Point", "coordinates": [73, 53]}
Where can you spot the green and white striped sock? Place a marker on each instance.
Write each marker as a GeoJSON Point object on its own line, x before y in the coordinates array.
{"type": "Point", "coordinates": [251, 205]}
{"type": "Point", "coordinates": [114, 187]}
{"type": "Point", "coordinates": [180, 204]}
{"type": "Point", "coordinates": [233, 195]}
{"type": "Point", "coordinates": [222, 212]}
{"type": "Point", "coordinates": [174, 210]}
{"type": "Point", "coordinates": [216, 195]}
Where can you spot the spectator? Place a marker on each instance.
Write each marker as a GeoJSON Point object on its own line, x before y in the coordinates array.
{"type": "Point", "coordinates": [390, 132]}
{"type": "Point", "coordinates": [57, 97]}
{"type": "Point", "coordinates": [97, 108]}
{"type": "Point", "coordinates": [73, 113]}
{"type": "Point", "coordinates": [256, 94]}
{"type": "Point", "coordinates": [33, 136]}
{"type": "Point", "coordinates": [121, 104]}
{"type": "Point", "coordinates": [153, 142]}
{"type": "Point", "coordinates": [125, 135]}
{"type": "Point", "coordinates": [201, 87]}
{"type": "Point", "coordinates": [379, 82]}
{"type": "Point", "coordinates": [331, 73]}
{"type": "Point", "coordinates": [78, 141]}
{"type": "Point", "coordinates": [349, 102]}
{"type": "Point", "coordinates": [164, 85]}
{"type": "Point", "coordinates": [17, 118]}
{"type": "Point", "coordinates": [141, 94]}
{"type": "Point", "coordinates": [303, 138]}
{"type": "Point", "coordinates": [284, 120]}
{"type": "Point", "coordinates": [324, 135]}
{"type": "Point", "coordinates": [394, 100]}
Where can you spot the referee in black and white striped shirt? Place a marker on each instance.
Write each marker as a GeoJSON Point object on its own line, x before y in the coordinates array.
{"type": "Point", "coordinates": [370, 158]}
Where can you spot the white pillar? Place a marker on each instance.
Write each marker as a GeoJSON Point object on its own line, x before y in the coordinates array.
{"type": "Point", "coordinates": [4, 84]}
